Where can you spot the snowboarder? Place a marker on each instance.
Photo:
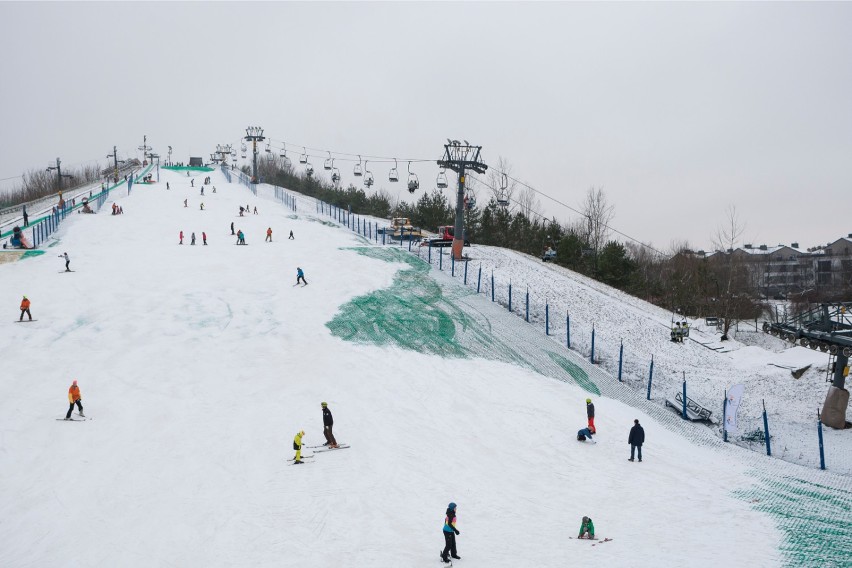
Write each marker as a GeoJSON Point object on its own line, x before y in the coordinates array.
{"type": "Point", "coordinates": [167, 185]}
{"type": "Point", "coordinates": [291, 237]}
{"type": "Point", "coordinates": [297, 445]}
{"type": "Point", "coordinates": [202, 206]}
{"type": "Point", "coordinates": [181, 238]}
{"type": "Point", "coordinates": [25, 309]}
{"type": "Point", "coordinates": [587, 528]}
{"type": "Point", "coordinates": [202, 190]}
{"type": "Point", "coordinates": [269, 235]}
{"type": "Point", "coordinates": [450, 532]}
{"type": "Point", "coordinates": [192, 182]}
{"type": "Point", "coordinates": [67, 261]}
{"type": "Point", "coordinates": [241, 238]}
{"type": "Point", "coordinates": [204, 237]}
{"type": "Point", "coordinates": [300, 276]}
{"type": "Point", "coordinates": [192, 242]}
{"type": "Point", "coordinates": [328, 423]}
{"type": "Point", "coordinates": [184, 203]}
{"type": "Point", "coordinates": [74, 398]}
{"type": "Point", "coordinates": [255, 209]}
{"type": "Point", "coordinates": [636, 439]}
{"type": "Point", "coordinates": [241, 210]}
{"type": "Point", "coordinates": [214, 189]}
{"type": "Point", "coordinates": [583, 434]}
{"type": "Point", "coordinates": [590, 413]}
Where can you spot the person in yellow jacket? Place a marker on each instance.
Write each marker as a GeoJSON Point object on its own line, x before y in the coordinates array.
{"type": "Point", "coordinates": [74, 398]}
{"type": "Point", "coordinates": [297, 445]}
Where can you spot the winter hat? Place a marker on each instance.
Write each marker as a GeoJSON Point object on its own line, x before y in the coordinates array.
{"type": "Point", "coordinates": [636, 421]}
{"type": "Point", "coordinates": [451, 506]}
{"type": "Point", "coordinates": [588, 400]}
{"type": "Point", "coordinates": [302, 432]}
{"type": "Point", "coordinates": [324, 404]}
{"type": "Point", "coordinates": [75, 382]}
{"type": "Point", "coordinates": [586, 519]}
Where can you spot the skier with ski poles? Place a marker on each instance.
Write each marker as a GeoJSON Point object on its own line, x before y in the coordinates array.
{"type": "Point", "coordinates": [328, 424]}
{"type": "Point", "coordinates": [297, 445]}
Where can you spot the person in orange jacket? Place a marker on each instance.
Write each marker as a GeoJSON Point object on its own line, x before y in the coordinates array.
{"type": "Point", "coordinates": [74, 398]}
{"type": "Point", "coordinates": [25, 309]}
{"type": "Point", "coordinates": [269, 235]}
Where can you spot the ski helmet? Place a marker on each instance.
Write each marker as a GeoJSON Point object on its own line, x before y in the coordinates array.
{"type": "Point", "coordinates": [588, 400]}
{"type": "Point", "coordinates": [324, 404]}
{"type": "Point", "coordinates": [451, 506]}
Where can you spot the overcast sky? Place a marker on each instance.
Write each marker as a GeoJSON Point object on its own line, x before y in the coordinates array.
{"type": "Point", "coordinates": [677, 110]}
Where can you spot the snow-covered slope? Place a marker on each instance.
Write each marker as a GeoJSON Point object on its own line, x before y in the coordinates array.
{"type": "Point", "coordinates": [198, 364]}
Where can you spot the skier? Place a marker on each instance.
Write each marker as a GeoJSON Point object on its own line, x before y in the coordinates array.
{"type": "Point", "coordinates": [184, 203]}
{"type": "Point", "coordinates": [583, 434]}
{"type": "Point", "coordinates": [269, 235]}
{"type": "Point", "coordinates": [192, 182]}
{"type": "Point", "coordinates": [181, 238]}
{"type": "Point", "coordinates": [590, 413]}
{"type": "Point", "coordinates": [241, 210]}
{"type": "Point", "coordinates": [297, 445]}
{"type": "Point", "coordinates": [450, 532]}
{"type": "Point", "coordinates": [587, 529]}
{"type": "Point", "coordinates": [202, 206]}
{"type": "Point", "coordinates": [300, 276]}
{"type": "Point", "coordinates": [67, 261]}
{"type": "Point", "coordinates": [202, 190]}
{"type": "Point", "coordinates": [241, 238]}
{"type": "Point", "coordinates": [255, 209]}
{"type": "Point", "coordinates": [193, 238]}
{"type": "Point", "coordinates": [167, 185]}
{"type": "Point", "coordinates": [74, 398]}
{"type": "Point", "coordinates": [204, 237]}
{"type": "Point", "coordinates": [214, 189]}
{"type": "Point", "coordinates": [232, 227]}
{"type": "Point", "coordinates": [25, 309]}
{"type": "Point", "coordinates": [636, 439]}
{"type": "Point", "coordinates": [291, 237]}
{"type": "Point", "coordinates": [328, 423]}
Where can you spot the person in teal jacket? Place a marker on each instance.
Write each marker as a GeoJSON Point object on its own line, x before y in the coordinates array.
{"type": "Point", "coordinates": [587, 528]}
{"type": "Point", "coordinates": [450, 532]}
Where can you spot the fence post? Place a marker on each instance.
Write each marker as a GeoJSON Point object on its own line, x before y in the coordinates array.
{"type": "Point", "coordinates": [465, 273]}
{"type": "Point", "coordinates": [766, 430]}
{"type": "Point", "coordinates": [592, 356]}
{"type": "Point", "coordinates": [479, 279]}
{"type": "Point", "coordinates": [410, 238]}
{"type": "Point", "coordinates": [452, 264]}
{"type": "Point", "coordinates": [527, 317]}
{"type": "Point", "coordinates": [510, 295]}
{"type": "Point", "coordinates": [819, 432]}
{"type": "Point", "coordinates": [567, 330]}
{"type": "Point", "coordinates": [724, 417]}
{"type": "Point", "coordinates": [492, 285]}
{"type": "Point", "coordinates": [684, 395]}
{"type": "Point", "coordinates": [441, 261]}
{"type": "Point", "coordinates": [546, 318]}
{"type": "Point", "coordinates": [650, 378]}
{"type": "Point", "coordinates": [620, 359]}
{"type": "Point", "coordinates": [430, 252]}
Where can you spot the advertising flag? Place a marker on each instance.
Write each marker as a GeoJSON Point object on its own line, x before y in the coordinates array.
{"type": "Point", "coordinates": [732, 404]}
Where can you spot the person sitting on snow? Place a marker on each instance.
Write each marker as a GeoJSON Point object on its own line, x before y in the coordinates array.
{"type": "Point", "coordinates": [587, 528]}
{"type": "Point", "coordinates": [583, 434]}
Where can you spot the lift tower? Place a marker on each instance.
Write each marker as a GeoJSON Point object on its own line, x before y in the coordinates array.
{"type": "Point", "coordinates": [461, 157]}
{"type": "Point", "coordinates": [254, 134]}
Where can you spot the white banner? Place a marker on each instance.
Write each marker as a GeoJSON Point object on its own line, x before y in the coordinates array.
{"type": "Point", "coordinates": [732, 404]}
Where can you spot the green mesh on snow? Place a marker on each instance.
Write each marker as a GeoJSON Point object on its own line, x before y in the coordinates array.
{"type": "Point", "coordinates": [579, 375]}
{"type": "Point", "coordinates": [188, 168]}
{"type": "Point", "coordinates": [814, 518]}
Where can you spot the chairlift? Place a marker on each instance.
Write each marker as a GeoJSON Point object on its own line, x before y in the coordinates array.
{"type": "Point", "coordinates": [502, 200]}
{"type": "Point", "coordinates": [303, 159]}
{"type": "Point", "coordinates": [269, 146]}
{"type": "Point", "coordinates": [329, 162]}
{"type": "Point", "coordinates": [368, 176]}
{"type": "Point", "coordinates": [413, 181]}
{"type": "Point", "coordinates": [469, 201]}
{"type": "Point", "coordinates": [393, 175]}
{"type": "Point", "coordinates": [243, 150]}
{"type": "Point", "coordinates": [335, 176]}
{"type": "Point", "coordinates": [357, 171]}
{"type": "Point", "coordinates": [283, 152]}
{"type": "Point", "coordinates": [309, 170]}
{"type": "Point", "coordinates": [441, 182]}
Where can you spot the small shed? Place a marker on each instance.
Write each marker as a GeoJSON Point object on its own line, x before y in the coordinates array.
{"type": "Point", "coordinates": [196, 162]}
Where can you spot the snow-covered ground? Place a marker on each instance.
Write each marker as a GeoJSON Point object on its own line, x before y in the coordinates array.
{"type": "Point", "coordinates": [198, 364]}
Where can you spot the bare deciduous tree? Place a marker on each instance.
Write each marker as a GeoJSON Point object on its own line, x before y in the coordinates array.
{"type": "Point", "coordinates": [598, 213]}
{"type": "Point", "coordinates": [528, 202]}
{"type": "Point", "coordinates": [499, 175]}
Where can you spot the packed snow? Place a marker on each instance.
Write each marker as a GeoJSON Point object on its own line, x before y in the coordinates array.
{"type": "Point", "coordinates": [198, 365]}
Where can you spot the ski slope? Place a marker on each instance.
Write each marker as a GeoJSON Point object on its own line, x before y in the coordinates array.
{"type": "Point", "coordinates": [198, 364]}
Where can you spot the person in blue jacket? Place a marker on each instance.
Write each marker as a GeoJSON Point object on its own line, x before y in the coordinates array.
{"type": "Point", "coordinates": [583, 434]}
{"type": "Point", "coordinates": [450, 532]}
{"type": "Point", "coordinates": [300, 276]}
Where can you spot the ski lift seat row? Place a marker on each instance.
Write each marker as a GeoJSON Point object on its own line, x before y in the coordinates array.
{"type": "Point", "coordinates": [393, 175]}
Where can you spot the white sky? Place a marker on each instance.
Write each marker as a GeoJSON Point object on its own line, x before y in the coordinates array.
{"type": "Point", "coordinates": [676, 110]}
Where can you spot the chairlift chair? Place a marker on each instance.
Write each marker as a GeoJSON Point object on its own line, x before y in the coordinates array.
{"type": "Point", "coordinates": [329, 162]}
{"type": "Point", "coordinates": [303, 159]}
{"type": "Point", "coordinates": [357, 171]}
{"type": "Point", "coordinates": [309, 170]}
{"type": "Point", "coordinates": [368, 176]}
{"type": "Point", "coordinates": [335, 176]}
{"type": "Point", "coordinates": [413, 180]}
{"type": "Point", "coordinates": [441, 182]}
{"type": "Point", "coordinates": [269, 147]}
{"type": "Point", "coordinates": [393, 175]}
{"type": "Point", "coordinates": [283, 152]}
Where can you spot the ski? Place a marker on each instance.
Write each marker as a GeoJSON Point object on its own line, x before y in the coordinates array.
{"type": "Point", "coordinates": [64, 271]}
{"type": "Point", "coordinates": [73, 419]}
{"type": "Point", "coordinates": [300, 463]}
{"type": "Point", "coordinates": [327, 449]}
{"type": "Point", "coordinates": [303, 457]}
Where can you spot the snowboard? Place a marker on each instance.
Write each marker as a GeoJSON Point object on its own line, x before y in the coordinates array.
{"type": "Point", "coordinates": [594, 539]}
{"type": "Point", "coordinates": [63, 271]}
{"type": "Point", "coordinates": [74, 419]}
{"type": "Point", "coordinates": [24, 321]}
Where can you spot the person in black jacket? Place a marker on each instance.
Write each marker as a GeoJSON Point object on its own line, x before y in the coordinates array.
{"type": "Point", "coordinates": [636, 439]}
{"type": "Point", "coordinates": [590, 413]}
{"type": "Point", "coordinates": [450, 532]}
{"type": "Point", "coordinates": [328, 423]}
